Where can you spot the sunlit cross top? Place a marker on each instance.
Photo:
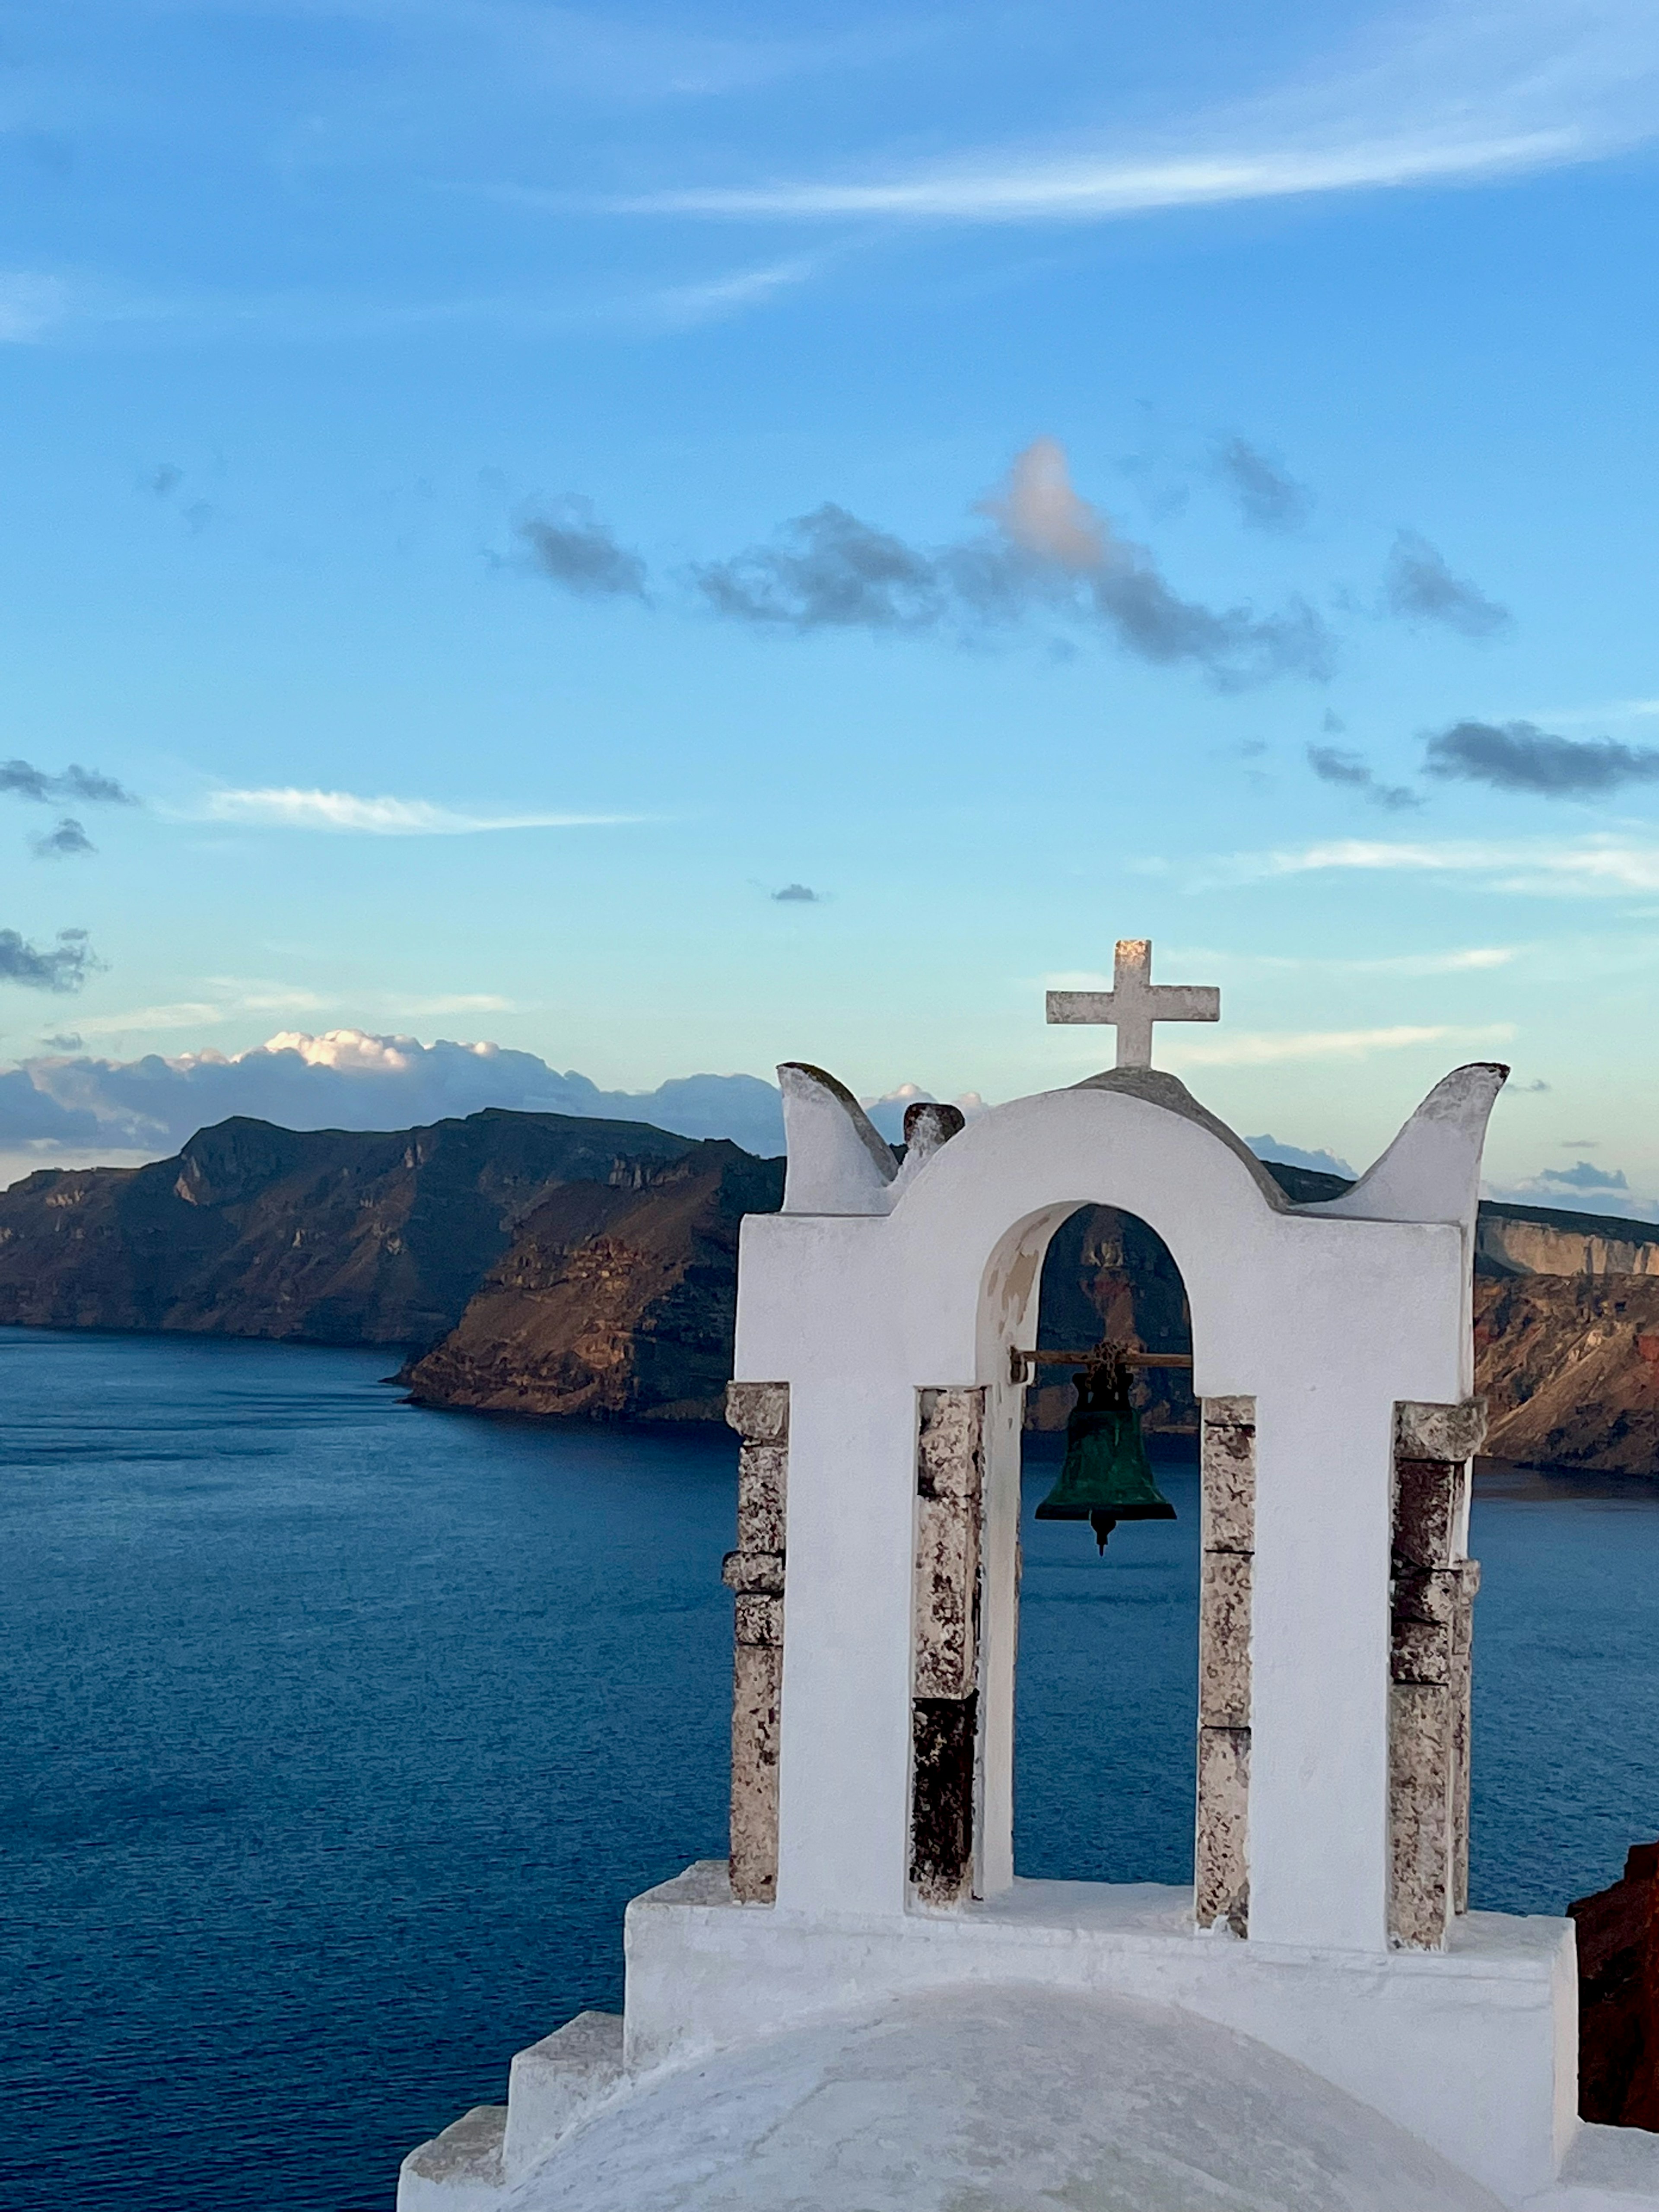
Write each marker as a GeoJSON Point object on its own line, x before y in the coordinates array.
{"type": "Point", "coordinates": [1135, 1002]}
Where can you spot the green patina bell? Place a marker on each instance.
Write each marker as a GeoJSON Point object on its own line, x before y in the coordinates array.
{"type": "Point", "coordinates": [1105, 1477]}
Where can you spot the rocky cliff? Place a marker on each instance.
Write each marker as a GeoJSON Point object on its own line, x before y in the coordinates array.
{"type": "Point", "coordinates": [542, 1263]}
{"type": "Point", "coordinates": [339, 1236]}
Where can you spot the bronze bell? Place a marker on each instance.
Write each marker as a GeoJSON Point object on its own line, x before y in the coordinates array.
{"type": "Point", "coordinates": [1104, 1477]}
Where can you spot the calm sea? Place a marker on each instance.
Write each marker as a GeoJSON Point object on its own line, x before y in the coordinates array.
{"type": "Point", "coordinates": [337, 1735]}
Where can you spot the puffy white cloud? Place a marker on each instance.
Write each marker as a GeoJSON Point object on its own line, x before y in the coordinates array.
{"type": "Point", "coordinates": [348, 1078]}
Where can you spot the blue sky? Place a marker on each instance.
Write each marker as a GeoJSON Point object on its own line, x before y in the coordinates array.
{"type": "Point", "coordinates": [510, 489]}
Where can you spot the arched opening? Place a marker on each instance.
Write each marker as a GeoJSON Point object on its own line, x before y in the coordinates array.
{"type": "Point", "coordinates": [1106, 1687]}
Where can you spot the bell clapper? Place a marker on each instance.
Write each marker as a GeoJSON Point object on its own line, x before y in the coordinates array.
{"type": "Point", "coordinates": [1102, 1524]}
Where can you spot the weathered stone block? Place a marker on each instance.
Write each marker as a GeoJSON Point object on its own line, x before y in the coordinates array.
{"type": "Point", "coordinates": [1421, 1779]}
{"type": "Point", "coordinates": [1230, 1412]}
{"type": "Point", "coordinates": [950, 1480]}
{"type": "Point", "coordinates": [1221, 1867]}
{"type": "Point", "coordinates": [1423, 1652]}
{"type": "Point", "coordinates": [759, 1411]}
{"type": "Point", "coordinates": [759, 1621]}
{"type": "Point", "coordinates": [1224, 1640]}
{"type": "Point", "coordinates": [1427, 1496]}
{"type": "Point", "coordinates": [947, 1599]}
{"type": "Point", "coordinates": [1227, 1468]}
{"type": "Point", "coordinates": [1429, 1593]}
{"type": "Point", "coordinates": [943, 1740]}
{"type": "Point", "coordinates": [757, 1683]}
{"type": "Point", "coordinates": [949, 1460]}
{"type": "Point", "coordinates": [1428, 1431]}
{"type": "Point", "coordinates": [758, 1574]}
{"type": "Point", "coordinates": [763, 1490]}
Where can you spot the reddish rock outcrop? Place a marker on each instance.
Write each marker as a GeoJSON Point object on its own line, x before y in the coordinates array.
{"type": "Point", "coordinates": [1619, 1996]}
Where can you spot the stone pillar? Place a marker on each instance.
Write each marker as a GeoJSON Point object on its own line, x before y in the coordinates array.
{"type": "Point", "coordinates": [944, 1688]}
{"type": "Point", "coordinates": [759, 1411]}
{"type": "Point", "coordinates": [1432, 1598]}
{"type": "Point", "coordinates": [1221, 1867]}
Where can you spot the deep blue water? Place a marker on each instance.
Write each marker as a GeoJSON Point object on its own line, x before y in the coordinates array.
{"type": "Point", "coordinates": [337, 1735]}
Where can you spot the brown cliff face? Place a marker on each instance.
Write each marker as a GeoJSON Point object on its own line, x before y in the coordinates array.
{"type": "Point", "coordinates": [339, 1237]}
{"type": "Point", "coordinates": [1570, 1367]}
{"type": "Point", "coordinates": [614, 1302]}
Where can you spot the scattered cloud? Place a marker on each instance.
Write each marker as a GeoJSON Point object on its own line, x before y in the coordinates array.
{"type": "Point", "coordinates": [62, 1041]}
{"type": "Point", "coordinates": [828, 571]}
{"type": "Point", "coordinates": [1268, 1048]}
{"type": "Point", "coordinates": [64, 966]}
{"type": "Point", "coordinates": [1520, 756]}
{"type": "Point", "coordinates": [571, 547]}
{"type": "Point", "coordinates": [1585, 1188]}
{"type": "Point", "coordinates": [58, 844]}
{"type": "Point", "coordinates": [1600, 865]}
{"type": "Point", "coordinates": [1332, 766]}
{"type": "Point", "coordinates": [1323, 1162]}
{"type": "Point", "coordinates": [21, 780]}
{"type": "Point", "coordinates": [1452, 94]}
{"type": "Point", "coordinates": [1583, 1175]}
{"type": "Point", "coordinates": [1050, 554]}
{"type": "Point", "coordinates": [288, 807]}
{"type": "Point", "coordinates": [1419, 587]}
{"type": "Point", "coordinates": [798, 895]}
{"type": "Point", "coordinates": [1461, 961]}
{"type": "Point", "coordinates": [1267, 497]}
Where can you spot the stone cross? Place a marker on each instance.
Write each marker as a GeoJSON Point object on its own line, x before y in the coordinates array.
{"type": "Point", "coordinates": [1135, 1002]}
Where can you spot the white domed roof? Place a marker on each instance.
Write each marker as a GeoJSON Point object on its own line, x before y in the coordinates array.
{"type": "Point", "coordinates": [1004, 2099]}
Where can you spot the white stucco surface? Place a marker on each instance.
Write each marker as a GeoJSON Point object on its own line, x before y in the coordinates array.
{"type": "Point", "coordinates": [999, 2101]}
{"type": "Point", "coordinates": [1471, 2050]}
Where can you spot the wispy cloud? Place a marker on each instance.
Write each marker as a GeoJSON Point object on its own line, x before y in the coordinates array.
{"type": "Point", "coordinates": [1266, 1048]}
{"type": "Point", "coordinates": [1455, 94]}
{"type": "Point", "coordinates": [1469, 959]}
{"type": "Point", "coordinates": [1599, 865]}
{"type": "Point", "coordinates": [1267, 497]}
{"type": "Point", "coordinates": [682, 306]}
{"type": "Point", "coordinates": [289, 808]}
{"type": "Point", "coordinates": [30, 306]}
